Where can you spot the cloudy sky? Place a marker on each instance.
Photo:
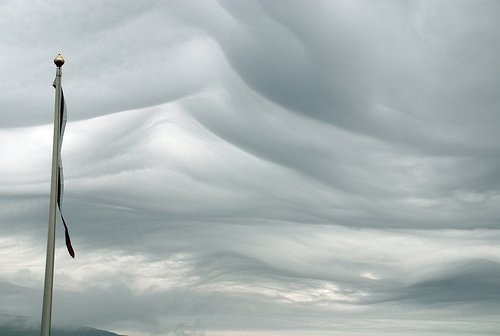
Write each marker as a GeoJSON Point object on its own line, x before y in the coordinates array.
{"type": "Point", "coordinates": [256, 167]}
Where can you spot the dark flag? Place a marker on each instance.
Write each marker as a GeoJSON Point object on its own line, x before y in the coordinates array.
{"type": "Point", "coordinates": [60, 177]}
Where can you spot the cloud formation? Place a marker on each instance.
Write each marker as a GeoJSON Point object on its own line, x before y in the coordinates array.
{"type": "Point", "coordinates": [247, 166]}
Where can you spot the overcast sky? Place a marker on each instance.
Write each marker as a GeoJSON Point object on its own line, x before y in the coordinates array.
{"type": "Point", "coordinates": [256, 167]}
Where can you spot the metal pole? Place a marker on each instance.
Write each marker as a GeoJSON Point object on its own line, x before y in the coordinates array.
{"type": "Point", "coordinates": [49, 263]}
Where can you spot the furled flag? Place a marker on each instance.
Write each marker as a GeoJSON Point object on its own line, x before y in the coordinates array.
{"type": "Point", "coordinates": [60, 178]}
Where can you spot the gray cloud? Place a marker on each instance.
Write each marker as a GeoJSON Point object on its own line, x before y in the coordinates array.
{"type": "Point", "coordinates": [248, 166]}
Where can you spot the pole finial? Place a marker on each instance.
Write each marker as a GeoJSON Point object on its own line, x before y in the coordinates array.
{"type": "Point", "coordinates": [59, 61]}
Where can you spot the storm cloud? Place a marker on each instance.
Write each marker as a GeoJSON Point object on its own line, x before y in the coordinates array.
{"type": "Point", "coordinates": [250, 167]}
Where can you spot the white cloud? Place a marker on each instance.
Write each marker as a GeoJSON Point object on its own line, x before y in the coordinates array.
{"type": "Point", "coordinates": [247, 165]}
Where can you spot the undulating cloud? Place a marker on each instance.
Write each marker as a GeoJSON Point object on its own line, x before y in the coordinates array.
{"type": "Point", "coordinates": [253, 167]}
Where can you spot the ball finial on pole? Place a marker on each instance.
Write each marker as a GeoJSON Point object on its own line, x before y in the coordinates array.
{"type": "Point", "coordinates": [59, 61]}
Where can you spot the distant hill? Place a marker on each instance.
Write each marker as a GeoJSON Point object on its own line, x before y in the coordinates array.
{"type": "Point", "coordinates": [83, 331]}
{"type": "Point", "coordinates": [12, 325]}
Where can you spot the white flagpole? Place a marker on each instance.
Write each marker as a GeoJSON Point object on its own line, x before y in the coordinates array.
{"type": "Point", "coordinates": [56, 149]}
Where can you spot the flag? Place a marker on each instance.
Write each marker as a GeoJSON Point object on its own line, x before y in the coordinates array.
{"type": "Point", "coordinates": [60, 177]}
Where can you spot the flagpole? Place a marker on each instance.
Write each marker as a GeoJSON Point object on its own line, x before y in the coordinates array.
{"type": "Point", "coordinates": [49, 262]}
